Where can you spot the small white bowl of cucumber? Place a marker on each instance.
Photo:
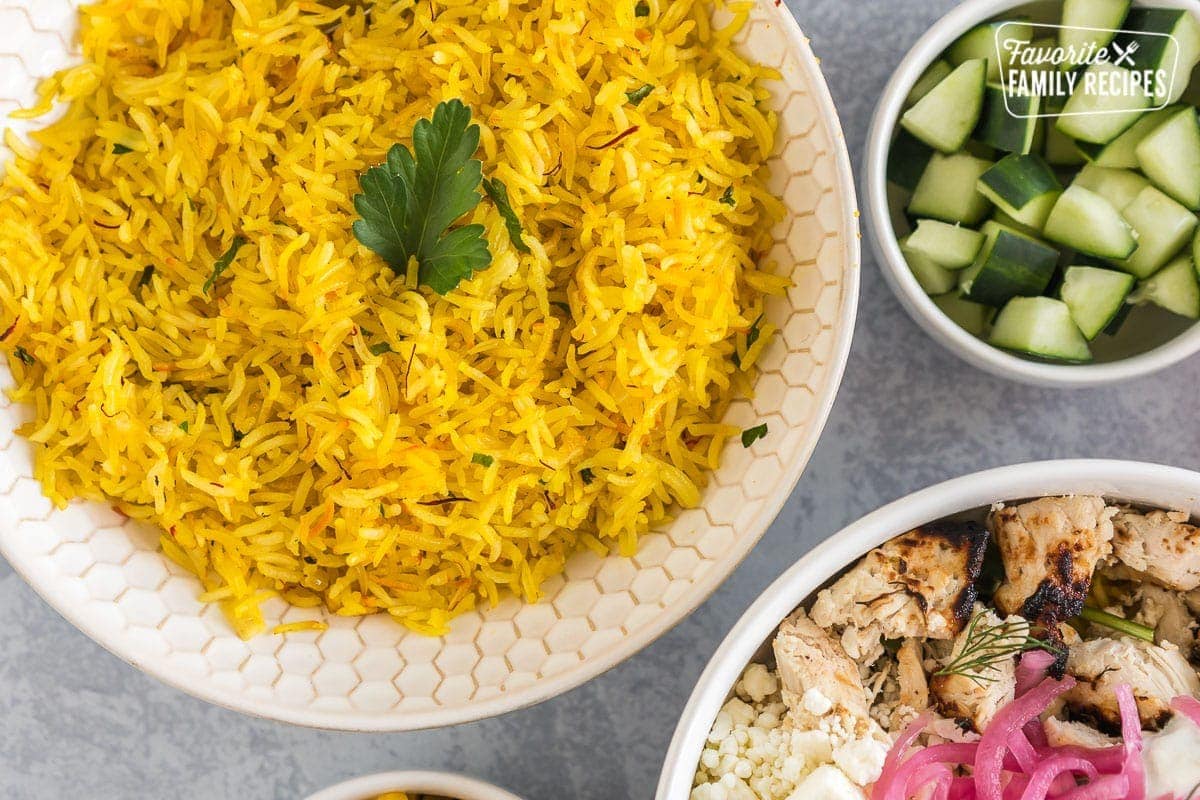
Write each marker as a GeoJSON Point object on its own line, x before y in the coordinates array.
{"type": "Point", "coordinates": [1033, 182]}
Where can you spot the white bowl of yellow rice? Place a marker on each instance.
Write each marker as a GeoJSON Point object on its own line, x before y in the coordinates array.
{"type": "Point", "coordinates": [245, 456]}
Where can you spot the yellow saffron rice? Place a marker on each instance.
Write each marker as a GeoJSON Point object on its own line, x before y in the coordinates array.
{"type": "Point", "coordinates": [319, 428]}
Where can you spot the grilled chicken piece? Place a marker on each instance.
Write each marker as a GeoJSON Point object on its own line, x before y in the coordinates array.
{"type": "Point", "coordinates": [974, 695]}
{"type": "Point", "coordinates": [1157, 675]}
{"type": "Point", "coordinates": [1050, 548]}
{"type": "Point", "coordinates": [1166, 612]}
{"type": "Point", "coordinates": [1064, 733]}
{"type": "Point", "coordinates": [809, 658]}
{"type": "Point", "coordinates": [910, 674]}
{"type": "Point", "coordinates": [1162, 545]}
{"type": "Point", "coordinates": [920, 584]}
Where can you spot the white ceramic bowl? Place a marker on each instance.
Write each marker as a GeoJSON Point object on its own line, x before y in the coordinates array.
{"type": "Point", "coordinates": [108, 578]}
{"type": "Point", "coordinates": [1130, 481]}
{"type": "Point", "coordinates": [445, 784]}
{"type": "Point", "coordinates": [887, 251]}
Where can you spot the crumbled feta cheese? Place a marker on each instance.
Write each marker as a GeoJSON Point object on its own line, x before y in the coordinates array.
{"type": "Point", "coordinates": [756, 750]}
{"type": "Point", "coordinates": [816, 703]}
{"type": "Point", "coordinates": [861, 760]}
{"type": "Point", "coordinates": [827, 783]}
{"type": "Point", "coordinates": [758, 682]}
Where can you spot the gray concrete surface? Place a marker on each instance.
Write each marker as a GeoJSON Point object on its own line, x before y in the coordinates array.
{"type": "Point", "coordinates": [76, 722]}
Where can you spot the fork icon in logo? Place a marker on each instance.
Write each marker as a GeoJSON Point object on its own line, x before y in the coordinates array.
{"type": "Point", "coordinates": [1123, 56]}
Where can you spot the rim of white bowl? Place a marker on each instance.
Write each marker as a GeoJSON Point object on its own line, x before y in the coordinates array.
{"type": "Point", "coordinates": [887, 250]}
{"type": "Point", "coordinates": [1133, 481]}
{"type": "Point", "coordinates": [549, 688]}
{"type": "Point", "coordinates": [447, 784]}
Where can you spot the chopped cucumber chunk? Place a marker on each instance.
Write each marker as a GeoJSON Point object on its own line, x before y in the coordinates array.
{"type": "Point", "coordinates": [1095, 296]}
{"type": "Point", "coordinates": [945, 117]}
{"type": "Point", "coordinates": [1170, 157]}
{"type": "Point", "coordinates": [971, 317]}
{"type": "Point", "coordinates": [1163, 228]}
{"type": "Point", "coordinates": [907, 160]}
{"type": "Point", "coordinates": [1118, 186]}
{"type": "Point", "coordinates": [980, 43]}
{"type": "Point", "coordinates": [1000, 218]}
{"type": "Point", "coordinates": [1010, 125]}
{"type": "Point", "coordinates": [1121, 152]}
{"type": "Point", "coordinates": [951, 246]}
{"type": "Point", "coordinates": [1174, 287]}
{"type": "Point", "coordinates": [1095, 112]}
{"type": "Point", "coordinates": [933, 278]}
{"type": "Point", "coordinates": [1022, 186]}
{"type": "Point", "coordinates": [1089, 25]}
{"type": "Point", "coordinates": [930, 78]}
{"type": "Point", "coordinates": [1042, 327]}
{"type": "Point", "coordinates": [1059, 149]}
{"type": "Point", "coordinates": [1166, 39]}
{"type": "Point", "coordinates": [947, 190]}
{"type": "Point", "coordinates": [1010, 264]}
{"type": "Point", "coordinates": [1086, 222]}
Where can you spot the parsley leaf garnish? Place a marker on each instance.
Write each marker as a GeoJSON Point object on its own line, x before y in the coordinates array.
{"type": "Point", "coordinates": [587, 475]}
{"type": "Point", "coordinates": [482, 459]}
{"type": "Point", "coordinates": [225, 261]}
{"type": "Point", "coordinates": [752, 435]}
{"type": "Point", "coordinates": [23, 356]}
{"type": "Point", "coordinates": [498, 192]}
{"type": "Point", "coordinates": [642, 9]}
{"type": "Point", "coordinates": [183, 426]}
{"type": "Point", "coordinates": [751, 337]}
{"type": "Point", "coordinates": [639, 94]}
{"type": "Point", "coordinates": [409, 202]}
{"type": "Point", "coordinates": [728, 199]}
{"type": "Point", "coordinates": [119, 149]}
{"type": "Point", "coordinates": [379, 348]}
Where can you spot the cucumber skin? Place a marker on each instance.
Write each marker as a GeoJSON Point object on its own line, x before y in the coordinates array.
{"type": "Point", "coordinates": [907, 160]}
{"type": "Point", "coordinates": [1000, 129]}
{"type": "Point", "coordinates": [1151, 50]}
{"type": "Point", "coordinates": [1013, 265]}
{"type": "Point", "coordinates": [1016, 178]}
{"type": "Point", "coordinates": [1020, 176]}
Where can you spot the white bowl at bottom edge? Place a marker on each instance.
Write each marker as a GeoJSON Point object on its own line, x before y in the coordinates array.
{"type": "Point", "coordinates": [1130, 481]}
{"type": "Point", "coordinates": [446, 784]}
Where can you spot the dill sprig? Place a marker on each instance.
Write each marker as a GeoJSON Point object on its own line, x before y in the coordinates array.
{"type": "Point", "coordinates": [986, 647]}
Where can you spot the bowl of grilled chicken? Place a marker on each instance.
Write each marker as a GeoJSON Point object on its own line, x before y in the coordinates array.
{"type": "Point", "coordinates": [1026, 632]}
